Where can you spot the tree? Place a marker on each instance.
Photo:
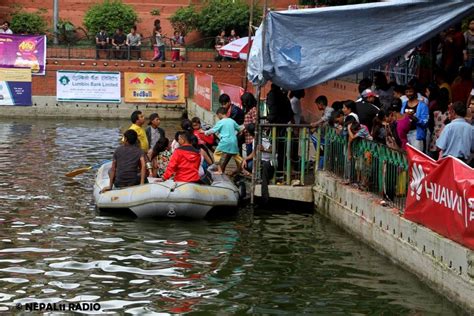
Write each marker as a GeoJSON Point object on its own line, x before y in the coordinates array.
{"type": "Point", "coordinates": [216, 15]}
{"type": "Point", "coordinates": [28, 23]}
{"type": "Point", "coordinates": [111, 15]}
{"type": "Point", "coordinates": [185, 20]}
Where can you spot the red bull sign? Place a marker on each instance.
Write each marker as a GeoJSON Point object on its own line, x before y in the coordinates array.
{"type": "Point", "coordinates": [154, 88]}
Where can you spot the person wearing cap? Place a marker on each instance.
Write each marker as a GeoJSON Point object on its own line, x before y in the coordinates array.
{"type": "Point", "coordinates": [365, 108]}
{"type": "Point", "coordinates": [153, 131]}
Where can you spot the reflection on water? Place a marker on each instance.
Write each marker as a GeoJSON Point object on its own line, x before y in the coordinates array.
{"type": "Point", "coordinates": [54, 248]}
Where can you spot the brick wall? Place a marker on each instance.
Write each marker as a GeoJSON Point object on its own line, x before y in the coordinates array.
{"type": "Point", "coordinates": [227, 72]}
{"type": "Point", "coordinates": [74, 10]}
{"type": "Point", "coordinates": [334, 90]}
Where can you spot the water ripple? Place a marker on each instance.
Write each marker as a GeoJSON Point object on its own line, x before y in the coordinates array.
{"type": "Point", "coordinates": [57, 249]}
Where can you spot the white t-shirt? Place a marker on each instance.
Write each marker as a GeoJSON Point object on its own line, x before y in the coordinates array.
{"type": "Point", "coordinates": [266, 144]}
{"type": "Point", "coordinates": [355, 116]}
{"type": "Point", "coordinates": [8, 31]}
{"type": "Point", "coordinates": [296, 107]}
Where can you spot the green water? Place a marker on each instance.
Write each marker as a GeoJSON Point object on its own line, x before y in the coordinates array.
{"type": "Point", "coordinates": [281, 261]}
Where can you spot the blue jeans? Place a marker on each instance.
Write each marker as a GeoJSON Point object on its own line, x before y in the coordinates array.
{"type": "Point", "coordinates": [162, 52]}
{"type": "Point", "coordinates": [249, 149]}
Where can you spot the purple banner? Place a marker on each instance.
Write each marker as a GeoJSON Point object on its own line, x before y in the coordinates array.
{"type": "Point", "coordinates": [20, 51]}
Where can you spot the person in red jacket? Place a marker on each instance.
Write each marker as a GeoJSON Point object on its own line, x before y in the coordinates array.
{"type": "Point", "coordinates": [203, 139]}
{"type": "Point", "coordinates": [185, 161]}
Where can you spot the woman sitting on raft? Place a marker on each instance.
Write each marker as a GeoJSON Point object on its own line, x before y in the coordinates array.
{"type": "Point", "coordinates": [160, 157]}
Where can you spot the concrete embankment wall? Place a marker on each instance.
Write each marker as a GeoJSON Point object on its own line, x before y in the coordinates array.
{"type": "Point", "coordinates": [48, 107]}
{"type": "Point", "coordinates": [441, 263]}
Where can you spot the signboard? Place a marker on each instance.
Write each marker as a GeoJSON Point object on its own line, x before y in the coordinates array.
{"type": "Point", "coordinates": [234, 92]}
{"type": "Point", "coordinates": [154, 88]}
{"type": "Point", "coordinates": [203, 90]}
{"type": "Point", "coordinates": [15, 86]}
{"type": "Point", "coordinates": [441, 196]}
{"type": "Point", "coordinates": [88, 86]}
{"type": "Point", "coordinates": [23, 51]}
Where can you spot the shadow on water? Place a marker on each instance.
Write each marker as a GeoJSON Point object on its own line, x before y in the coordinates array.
{"type": "Point", "coordinates": [277, 260]}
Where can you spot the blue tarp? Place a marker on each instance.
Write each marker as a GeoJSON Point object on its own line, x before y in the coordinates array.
{"type": "Point", "coordinates": [306, 47]}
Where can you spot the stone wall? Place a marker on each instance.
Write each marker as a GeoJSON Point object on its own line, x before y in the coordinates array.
{"type": "Point", "coordinates": [441, 263]}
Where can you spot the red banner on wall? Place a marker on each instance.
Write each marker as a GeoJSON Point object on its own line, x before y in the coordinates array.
{"type": "Point", "coordinates": [203, 90]}
{"type": "Point", "coordinates": [441, 196]}
{"type": "Point", "coordinates": [234, 92]}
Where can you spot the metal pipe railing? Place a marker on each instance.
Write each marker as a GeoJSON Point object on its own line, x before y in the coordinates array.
{"type": "Point", "coordinates": [373, 167]}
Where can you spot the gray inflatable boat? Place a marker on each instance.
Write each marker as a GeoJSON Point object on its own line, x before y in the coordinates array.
{"type": "Point", "coordinates": [166, 199]}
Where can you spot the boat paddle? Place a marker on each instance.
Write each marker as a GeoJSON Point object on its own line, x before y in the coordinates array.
{"type": "Point", "coordinates": [79, 171]}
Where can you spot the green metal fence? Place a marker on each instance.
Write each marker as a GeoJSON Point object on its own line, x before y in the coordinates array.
{"type": "Point", "coordinates": [289, 153]}
{"type": "Point", "coordinates": [191, 85]}
{"type": "Point", "coordinates": [215, 97]}
{"type": "Point", "coordinates": [372, 167]}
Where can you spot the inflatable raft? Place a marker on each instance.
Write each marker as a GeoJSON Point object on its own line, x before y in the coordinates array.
{"type": "Point", "coordinates": [165, 199]}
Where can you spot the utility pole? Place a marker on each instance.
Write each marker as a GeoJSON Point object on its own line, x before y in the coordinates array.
{"type": "Point", "coordinates": [249, 43]}
{"type": "Point", "coordinates": [55, 21]}
{"type": "Point", "coordinates": [258, 129]}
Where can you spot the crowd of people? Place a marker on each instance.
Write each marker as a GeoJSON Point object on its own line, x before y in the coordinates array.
{"type": "Point", "coordinates": [424, 117]}
{"type": "Point", "coordinates": [147, 154]}
{"type": "Point", "coordinates": [121, 46]}
{"type": "Point", "coordinates": [437, 118]}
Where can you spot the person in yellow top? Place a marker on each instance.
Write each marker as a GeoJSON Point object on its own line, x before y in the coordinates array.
{"type": "Point", "coordinates": [138, 119]}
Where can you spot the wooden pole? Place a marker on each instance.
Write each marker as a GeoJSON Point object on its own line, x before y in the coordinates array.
{"type": "Point", "coordinates": [258, 131]}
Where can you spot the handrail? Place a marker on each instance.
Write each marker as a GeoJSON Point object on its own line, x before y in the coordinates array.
{"type": "Point", "coordinates": [285, 125]}
{"type": "Point", "coordinates": [373, 167]}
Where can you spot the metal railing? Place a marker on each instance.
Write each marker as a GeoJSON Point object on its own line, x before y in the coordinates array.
{"type": "Point", "coordinates": [290, 145]}
{"type": "Point", "coordinates": [373, 167]}
{"type": "Point", "coordinates": [88, 50]}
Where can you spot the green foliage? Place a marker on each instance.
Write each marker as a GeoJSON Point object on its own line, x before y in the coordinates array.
{"type": "Point", "coordinates": [219, 15]}
{"type": "Point", "coordinates": [215, 16]}
{"type": "Point", "coordinates": [155, 12]}
{"type": "Point", "coordinates": [66, 32]}
{"type": "Point", "coordinates": [28, 23]}
{"type": "Point", "coordinates": [333, 2]}
{"type": "Point", "coordinates": [185, 19]}
{"type": "Point", "coordinates": [111, 15]}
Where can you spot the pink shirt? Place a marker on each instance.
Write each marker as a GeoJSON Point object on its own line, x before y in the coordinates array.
{"type": "Point", "coordinates": [403, 127]}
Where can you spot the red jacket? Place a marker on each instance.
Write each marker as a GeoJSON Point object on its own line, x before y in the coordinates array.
{"type": "Point", "coordinates": [184, 165]}
{"type": "Point", "coordinates": [204, 139]}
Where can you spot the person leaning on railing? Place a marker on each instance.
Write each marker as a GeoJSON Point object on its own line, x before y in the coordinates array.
{"type": "Point", "coordinates": [179, 50]}
{"type": "Point", "coordinates": [101, 42]}
{"type": "Point", "coordinates": [134, 43]}
{"type": "Point", "coordinates": [118, 44]}
{"type": "Point", "coordinates": [322, 105]}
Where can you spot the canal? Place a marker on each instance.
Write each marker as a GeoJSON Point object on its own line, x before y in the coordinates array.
{"type": "Point", "coordinates": [283, 261]}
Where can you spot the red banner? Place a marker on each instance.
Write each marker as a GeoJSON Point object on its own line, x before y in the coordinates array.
{"type": "Point", "coordinates": [203, 90]}
{"type": "Point", "coordinates": [234, 92]}
{"type": "Point", "coordinates": [441, 196]}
